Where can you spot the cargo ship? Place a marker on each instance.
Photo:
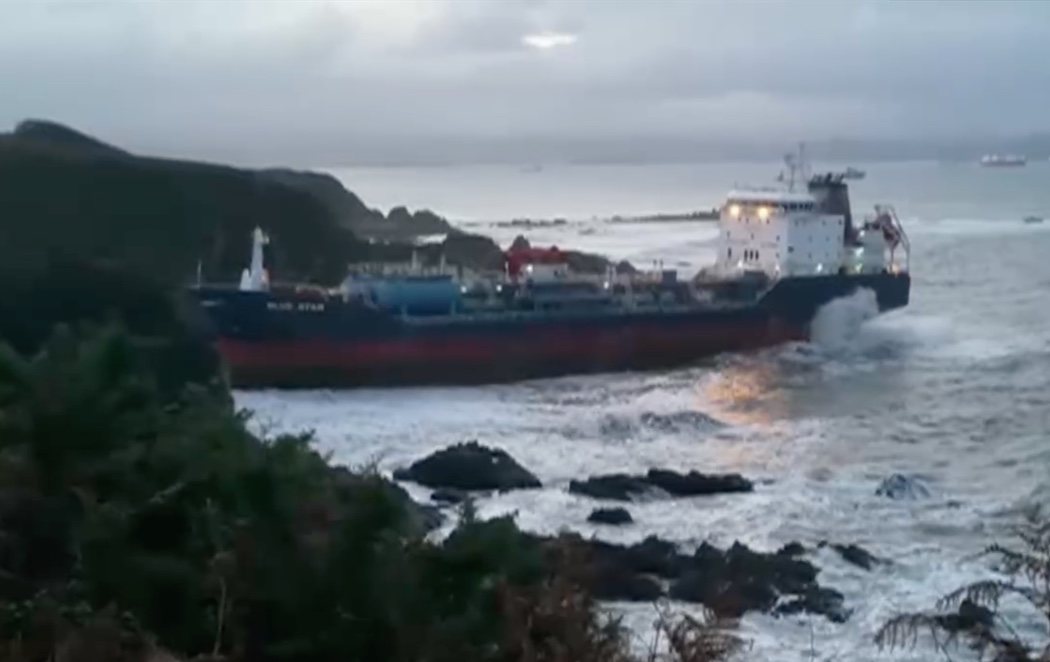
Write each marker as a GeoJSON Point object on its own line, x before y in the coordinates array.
{"type": "Point", "coordinates": [782, 254]}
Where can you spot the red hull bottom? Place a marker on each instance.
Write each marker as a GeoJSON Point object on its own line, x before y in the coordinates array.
{"type": "Point", "coordinates": [486, 359]}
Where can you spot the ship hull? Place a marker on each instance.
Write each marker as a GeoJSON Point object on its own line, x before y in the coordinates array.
{"type": "Point", "coordinates": [269, 342]}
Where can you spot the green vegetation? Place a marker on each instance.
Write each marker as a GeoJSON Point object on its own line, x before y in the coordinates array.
{"type": "Point", "coordinates": [139, 515]}
{"type": "Point", "coordinates": [977, 617]}
{"type": "Point", "coordinates": [167, 517]}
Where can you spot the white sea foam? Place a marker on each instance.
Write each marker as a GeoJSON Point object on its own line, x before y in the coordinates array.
{"type": "Point", "coordinates": [837, 323]}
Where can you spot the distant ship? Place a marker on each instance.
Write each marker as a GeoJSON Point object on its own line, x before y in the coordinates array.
{"type": "Point", "coordinates": [782, 254]}
{"type": "Point", "coordinates": [1032, 220]}
{"type": "Point", "coordinates": [854, 173]}
{"type": "Point", "coordinates": [1003, 160]}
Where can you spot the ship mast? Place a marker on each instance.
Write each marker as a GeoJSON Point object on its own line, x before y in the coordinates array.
{"type": "Point", "coordinates": [798, 168]}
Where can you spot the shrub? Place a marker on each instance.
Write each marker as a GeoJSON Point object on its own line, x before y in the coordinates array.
{"type": "Point", "coordinates": [977, 617]}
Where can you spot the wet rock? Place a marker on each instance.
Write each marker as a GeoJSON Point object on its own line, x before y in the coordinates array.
{"type": "Point", "coordinates": [854, 554]}
{"type": "Point", "coordinates": [448, 496]}
{"type": "Point", "coordinates": [655, 556]}
{"type": "Point", "coordinates": [470, 250]}
{"type": "Point", "coordinates": [786, 575]}
{"type": "Point", "coordinates": [616, 487]}
{"type": "Point", "coordinates": [791, 550]}
{"type": "Point", "coordinates": [612, 516]}
{"type": "Point", "coordinates": [616, 427]}
{"type": "Point", "coordinates": [677, 421]}
{"type": "Point", "coordinates": [817, 600]}
{"type": "Point", "coordinates": [899, 486]}
{"type": "Point", "coordinates": [695, 483]}
{"type": "Point", "coordinates": [730, 582]}
{"type": "Point", "coordinates": [624, 487]}
{"type": "Point", "coordinates": [469, 466]}
{"type": "Point", "coordinates": [740, 579]}
{"type": "Point", "coordinates": [610, 574]}
{"type": "Point", "coordinates": [969, 617]}
{"type": "Point", "coordinates": [613, 582]}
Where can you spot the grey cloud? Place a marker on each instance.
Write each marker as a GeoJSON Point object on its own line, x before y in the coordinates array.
{"type": "Point", "coordinates": [323, 82]}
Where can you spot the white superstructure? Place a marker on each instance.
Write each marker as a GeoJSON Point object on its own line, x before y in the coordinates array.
{"type": "Point", "coordinates": [784, 232]}
{"type": "Point", "coordinates": [779, 233]}
{"type": "Point", "coordinates": [256, 278]}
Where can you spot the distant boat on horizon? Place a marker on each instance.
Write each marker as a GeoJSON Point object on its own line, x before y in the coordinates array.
{"type": "Point", "coordinates": [854, 173]}
{"type": "Point", "coordinates": [1003, 160]}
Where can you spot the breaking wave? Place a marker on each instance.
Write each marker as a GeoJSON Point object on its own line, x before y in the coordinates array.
{"type": "Point", "coordinates": [619, 426]}
{"type": "Point", "coordinates": [838, 322]}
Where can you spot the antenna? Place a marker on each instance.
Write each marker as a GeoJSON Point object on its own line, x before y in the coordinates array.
{"type": "Point", "coordinates": [798, 167]}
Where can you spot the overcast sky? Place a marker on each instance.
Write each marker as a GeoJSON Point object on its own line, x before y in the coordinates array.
{"type": "Point", "coordinates": [327, 83]}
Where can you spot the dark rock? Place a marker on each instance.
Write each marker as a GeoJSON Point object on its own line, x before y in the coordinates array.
{"type": "Point", "coordinates": [899, 486]}
{"type": "Point", "coordinates": [697, 484]}
{"type": "Point", "coordinates": [731, 582]}
{"type": "Point", "coordinates": [969, 617]}
{"type": "Point", "coordinates": [617, 487]}
{"type": "Point", "coordinates": [816, 600]}
{"type": "Point", "coordinates": [739, 580]}
{"type": "Point", "coordinates": [854, 554]}
{"type": "Point", "coordinates": [655, 556]}
{"type": "Point", "coordinates": [787, 575]}
{"type": "Point", "coordinates": [792, 549]}
{"type": "Point", "coordinates": [613, 582]}
{"type": "Point", "coordinates": [402, 223]}
{"type": "Point", "coordinates": [610, 575]}
{"type": "Point", "coordinates": [618, 427]}
{"type": "Point", "coordinates": [425, 221]}
{"type": "Point", "coordinates": [677, 421]}
{"type": "Point", "coordinates": [623, 487]}
{"type": "Point", "coordinates": [613, 516]}
{"type": "Point", "coordinates": [470, 250]}
{"type": "Point", "coordinates": [586, 263]}
{"type": "Point", "coordinates": [469, 466]}
{"type": "Point", "coordinates": [723, 582]}
{"type": "Point", "coordinates": [448, 496]}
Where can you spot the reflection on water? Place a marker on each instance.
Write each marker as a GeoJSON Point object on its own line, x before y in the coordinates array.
{"type": "Point", "coordinates": [747, 392]}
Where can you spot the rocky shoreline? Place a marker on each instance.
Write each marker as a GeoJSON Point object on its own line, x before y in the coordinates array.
{"type": "Point", "coordinates": [730, 582]}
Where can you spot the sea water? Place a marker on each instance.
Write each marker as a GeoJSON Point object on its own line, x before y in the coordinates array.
{"type": "Point", "coordinates": [954, 389]}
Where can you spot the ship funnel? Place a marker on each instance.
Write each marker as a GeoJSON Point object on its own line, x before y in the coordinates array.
{"type": "Point", "coordinates": [832, 197]}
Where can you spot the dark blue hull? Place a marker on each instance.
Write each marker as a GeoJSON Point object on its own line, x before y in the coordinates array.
{"type": "Point", "coordinates": [304, 340]}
